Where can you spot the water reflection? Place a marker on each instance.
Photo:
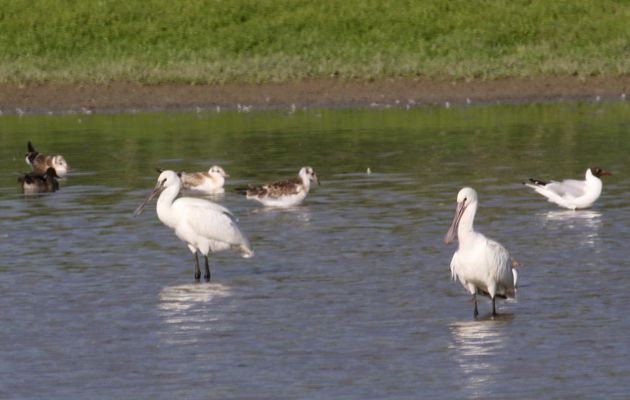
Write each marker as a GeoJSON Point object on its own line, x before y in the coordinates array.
{"type": "Point", "coordinates": [298, 213]}
{"type": "Point", "coordinates": [188, 309]}
{"type": "Point", "coordinates": [478, 344]}
{"type": "Point", "coordinates": [585, 223]}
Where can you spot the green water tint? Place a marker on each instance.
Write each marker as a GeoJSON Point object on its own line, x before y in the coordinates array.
{"type": "Point", "coordinates": [460, 145]}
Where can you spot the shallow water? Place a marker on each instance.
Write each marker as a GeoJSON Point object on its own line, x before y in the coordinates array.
{"type": "Point", "coordinates": [348, 296]}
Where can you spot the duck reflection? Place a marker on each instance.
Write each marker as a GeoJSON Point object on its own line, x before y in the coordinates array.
{"type": "Point", "coordinates": [187, 310]}
{"type": "Point", "coordinates": [477, 345]}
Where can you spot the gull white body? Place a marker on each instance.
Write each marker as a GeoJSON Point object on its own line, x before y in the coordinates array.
{"type": "Point", "coordinates": [210, 182]}
{"type": "Point", "coordinates": [570, 193]}
{"type": "Point", "coordinates": [284, 193]}
{"type": "Point", "coordinates": [203, 225]}
{"type": "Point", "coordinates": [481, 265]}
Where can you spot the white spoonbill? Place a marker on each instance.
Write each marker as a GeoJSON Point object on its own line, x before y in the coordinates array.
{"type": "Point", "coordinates": [210, 182]}
{"type": "Point", "coordinates": [480, 264]}
{"type": "Point", "coordinates": [284, 193]}
{"type": "Point", "coordinates": [571, 193]}
{"type": "Point", "coordinates": [204, 226]}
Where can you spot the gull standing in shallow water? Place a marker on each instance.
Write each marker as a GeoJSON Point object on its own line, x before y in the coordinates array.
{"type": "Point", "coordinates": [41, 162]}
{"type": "Point", "coordinates": [284, 193]}
{"type": "Point", "coordinates": [571, 193]}
{"type": "Point", "coordinates": [210, 182]}
{"type": "Point", "coordinates": [480, 264]}
{"type": "Point", "coordinates": [204, 226]}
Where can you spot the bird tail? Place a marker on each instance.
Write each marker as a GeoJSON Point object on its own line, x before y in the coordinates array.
{"type": "Point", "coordinates": [537, 182]}
{"type": "Point", "coordinates": [31, 154]}
{"type": "Point", "coordinates": [246, 251]}
{"type": "Point", "coordinates": [241, 190]}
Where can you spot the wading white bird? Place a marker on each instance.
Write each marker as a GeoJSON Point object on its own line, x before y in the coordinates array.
{"type": "Point", "coordinates": [210, 182]}
{"type": "Point", "coordinates": [480, 264]}
{"type": "Point", "coordinates": [284, 193]}
{"type": "Point", "coordinates": [41, 162]}
{"type": "Point", "coordinates": [204, 226]}
{"type": "Point", "coordinates": [571, 193]}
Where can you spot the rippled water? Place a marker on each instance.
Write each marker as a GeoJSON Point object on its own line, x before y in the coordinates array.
{"type": "Point", "coordinates": [348, 295]}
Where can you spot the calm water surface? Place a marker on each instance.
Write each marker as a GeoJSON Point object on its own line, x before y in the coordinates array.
{"type": "Point", "coordinates": [348, 296]}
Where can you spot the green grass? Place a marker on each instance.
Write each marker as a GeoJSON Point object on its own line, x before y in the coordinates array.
{"type": "Point", "coordinates": [213, 41]}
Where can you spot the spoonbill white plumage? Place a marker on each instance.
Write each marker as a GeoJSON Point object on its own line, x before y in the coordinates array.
{"type": "Point", "coordinates": [41, 162]}
{"type": "Point", "coordinates": [204, 226]}
{"type": "Point", "coordinates": [571, 193]}
{"type": "Point", "coordinates": [480, 264]}
{"type": "Point", "coordinates": [286, 193]}
{"type": "Point", "coordinates": [210, 182]}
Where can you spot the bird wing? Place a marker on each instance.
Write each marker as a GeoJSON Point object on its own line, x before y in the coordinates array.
{"type": "Point", "coordinates": [190, 179]}
{"type": "Point", "coordinates": [571, 187]}
{"type": "Point", "coordinates": [483, 264]}
{"type": "Point", "coordinates": [277, 189]}
{"type": "Point", "coordinates": [498, 259]}
{"type": "Point", "coordinates": [561, 193]}
{"type": "Point", "coordinates": [212, 221]}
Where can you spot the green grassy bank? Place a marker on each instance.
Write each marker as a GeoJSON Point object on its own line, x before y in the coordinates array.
{"type": "Point", "coordinates": [211, 41]}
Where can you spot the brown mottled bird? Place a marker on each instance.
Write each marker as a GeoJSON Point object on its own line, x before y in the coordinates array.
{"type": "Point", "coordinates": [208, 182]}
{"type": "Point", "coordinates": [41, 162]}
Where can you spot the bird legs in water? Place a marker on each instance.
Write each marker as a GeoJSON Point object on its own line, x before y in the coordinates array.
{"type": "Point", "coordinates": [206, 275]}
{"type": "Point", "coordinates": [197, 271]}
{"type": "Point", "coordinates": [476, 312]}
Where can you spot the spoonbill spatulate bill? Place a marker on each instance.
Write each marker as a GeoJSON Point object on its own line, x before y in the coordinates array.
{"type": "Point", "coordinates": [483, 266]}
{"type": "Point", "coordinates": [286, 193]}
{"type": "Point", "coordinates": [571, 193]}
{"type": "Point", "coordinates": [204, 226]}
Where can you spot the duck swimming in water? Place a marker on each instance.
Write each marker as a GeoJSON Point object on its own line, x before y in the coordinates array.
{"type": "Point", "coordinates": [36, 182]}
{"type": "Point", "coordinates": [41, 162]}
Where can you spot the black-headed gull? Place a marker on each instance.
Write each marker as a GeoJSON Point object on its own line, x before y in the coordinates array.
{"type": "Point", "coordinates": [480, 264]}
{"type": "Point", "coordinates": [571, 193]}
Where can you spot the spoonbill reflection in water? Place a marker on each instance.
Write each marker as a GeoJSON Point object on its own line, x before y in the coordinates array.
{"type": "Point", "coordinates": [480, 264]}
{"type": "Point", "coordinates": [204, 226]}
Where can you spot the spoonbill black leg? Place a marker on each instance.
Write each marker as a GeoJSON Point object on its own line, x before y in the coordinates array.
{"type": "Point", "coordinates": [207, 274]}
{"type": "Point", "coordinates": [197, 270]}
{"type": "Point", "coordinates": [494, 310]}
{"type": "Point", "coordinates": [475, 311]}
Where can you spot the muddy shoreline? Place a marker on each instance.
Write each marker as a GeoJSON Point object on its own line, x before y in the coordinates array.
{"type": "Point", "coordinates": [400, 92]}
